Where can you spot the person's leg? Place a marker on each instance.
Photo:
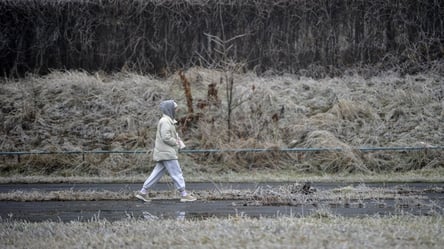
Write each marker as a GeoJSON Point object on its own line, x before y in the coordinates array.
{"type": "Point", "coordinates": [156, 174]}
{"type": "Point", "coordinates": [175, 172]}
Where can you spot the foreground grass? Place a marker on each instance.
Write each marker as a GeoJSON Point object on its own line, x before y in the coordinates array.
{"type": "Point", "coordinates": [235, 232]}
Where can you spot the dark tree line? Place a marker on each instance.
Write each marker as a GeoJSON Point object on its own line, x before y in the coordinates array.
{"type": "Point", "coordinates": [156, 36]}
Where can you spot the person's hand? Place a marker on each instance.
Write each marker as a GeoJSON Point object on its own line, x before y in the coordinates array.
{"type": "Point", "coordinates": [180, 143]}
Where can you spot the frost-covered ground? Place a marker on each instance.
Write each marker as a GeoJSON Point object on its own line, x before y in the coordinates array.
{"type": "Point", "coordinates": [235, 232]}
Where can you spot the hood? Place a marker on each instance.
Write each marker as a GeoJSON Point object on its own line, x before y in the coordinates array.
{"type": "Point", "coordinates": [168, 108]}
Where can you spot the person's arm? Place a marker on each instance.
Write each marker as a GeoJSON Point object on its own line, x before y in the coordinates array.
{"type": "Point", "coordinates": [167, 135]}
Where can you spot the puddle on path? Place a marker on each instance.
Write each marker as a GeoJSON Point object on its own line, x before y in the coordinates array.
{"type": "Point", "coordinates": [173, 209]}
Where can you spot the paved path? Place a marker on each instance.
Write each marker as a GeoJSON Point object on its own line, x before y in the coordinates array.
{"type": "Point", "coordinates": [172, 208]}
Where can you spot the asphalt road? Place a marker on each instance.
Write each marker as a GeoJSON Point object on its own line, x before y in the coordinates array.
{"type": "Point", "coordinates": [157, 209]}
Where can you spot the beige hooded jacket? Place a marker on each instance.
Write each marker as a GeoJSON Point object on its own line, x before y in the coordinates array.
{"type": "Point", "coordinates": [166, 144]}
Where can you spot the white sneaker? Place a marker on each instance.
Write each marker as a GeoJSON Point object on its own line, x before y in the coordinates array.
{"type": "Point", "coordinates": [142, 197]}
{"type": "Point", "coordinates": [187, 198]}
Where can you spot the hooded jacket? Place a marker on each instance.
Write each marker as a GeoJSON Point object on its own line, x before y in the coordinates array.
{"type": "Point", "coordinates": [166, 144]}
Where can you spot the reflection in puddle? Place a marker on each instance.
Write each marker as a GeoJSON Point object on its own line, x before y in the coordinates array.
{"type": "Point", "coordinates": [148, 216]}
{"type": "Point", "coordinates": [180, 215]}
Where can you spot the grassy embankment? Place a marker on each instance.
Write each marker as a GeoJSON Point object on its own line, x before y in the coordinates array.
{"type": "Point", "coordinates": [76, 111]}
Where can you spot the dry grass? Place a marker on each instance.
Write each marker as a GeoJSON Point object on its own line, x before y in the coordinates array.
{"type": "Point", "coordinates": [286, 175]}
{"type": "Point", "coordinates": [235, 232]}
{"type": "Point", "coordinates": [79, 111]}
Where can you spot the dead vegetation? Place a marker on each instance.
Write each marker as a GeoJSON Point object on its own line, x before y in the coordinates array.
{"type": "Point", "coordinates": [316, 231]}
{"type": "Point", "coordinates": [77, 111]}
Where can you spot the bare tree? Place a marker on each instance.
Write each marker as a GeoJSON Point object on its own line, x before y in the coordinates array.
{"type": "Point", "coordinates": [229, 67]}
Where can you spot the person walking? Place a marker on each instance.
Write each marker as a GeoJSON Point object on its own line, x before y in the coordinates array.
{"type": "Point", "coordinates": [165, 152]}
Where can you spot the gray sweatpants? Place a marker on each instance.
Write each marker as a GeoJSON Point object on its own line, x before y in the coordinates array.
{"type": "Point", "coordinates": [174, 170]}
